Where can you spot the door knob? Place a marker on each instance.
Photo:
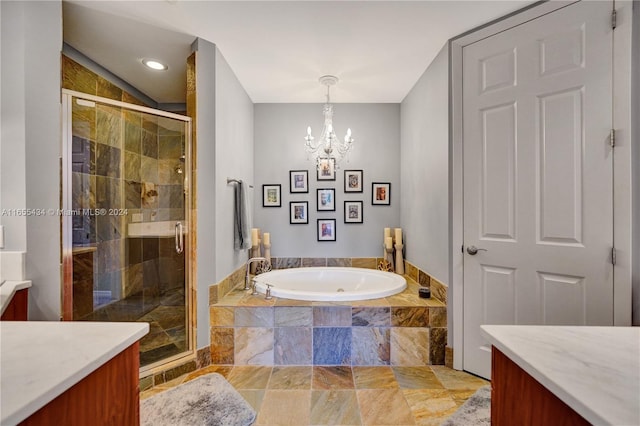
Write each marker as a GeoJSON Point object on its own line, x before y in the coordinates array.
{"type": "Point", "coordinates": [473, 250]}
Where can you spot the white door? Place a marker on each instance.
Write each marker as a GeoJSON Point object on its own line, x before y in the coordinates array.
{"type": "Point", "coordinates": [538, 176]}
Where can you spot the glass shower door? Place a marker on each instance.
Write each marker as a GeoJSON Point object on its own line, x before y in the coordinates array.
{"type": "Point", "coordinates": [125, 221]}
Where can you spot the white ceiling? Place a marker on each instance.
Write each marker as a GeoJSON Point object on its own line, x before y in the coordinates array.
{"type": "Point", "coordinates": [278, 49]}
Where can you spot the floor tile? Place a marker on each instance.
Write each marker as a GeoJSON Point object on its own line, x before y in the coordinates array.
{"type": "Point", "coordinates": [430, 406]}
{"type": "Point", "coordinates": [374, 378]}
{"type": "Point", "coordinates": [384, 407]}
{"type": "Point", "coordinates": [290, 378]}
{"type": "Point", "coordinates": [285, 407]}
{"type": "Point", "coordinates": [334, 407]}
{"type": "Point", "coordinates": [150, 392]}
{"type": "Point", "coordinates": [223, 370]}
{"type": "Point", "coordinates": [454, 379]}
{"type": "Point", "coordinates": [461, 394]}
{"type": "Point", "coordinates": [332, 378]}
{"type": "Point", "coordinates": [253, 397]}
{"type": "Point", "coordinates": [343, 395]}
{"type": "Point", "coordinates": [416, 378]}
{"type": "Point", "coordinates": [249, 377]}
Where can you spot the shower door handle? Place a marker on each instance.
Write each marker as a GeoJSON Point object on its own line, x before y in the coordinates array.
{"type": "Point", "coordinates": [179, 238]}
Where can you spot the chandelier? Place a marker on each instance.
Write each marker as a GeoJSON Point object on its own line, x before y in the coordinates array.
{"type": "Point", "coordinates": [328, 147]}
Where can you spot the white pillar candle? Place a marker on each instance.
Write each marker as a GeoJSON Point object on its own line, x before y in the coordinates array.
{"type": "Point", "coordinates": [398, 235]}
{"type": "Point", "coordinates": [388, 242]}
{"type": "Point", "coordinates": [254, 236]}
{"type": "Point", "coordinates": [266, 238]}
{"type": "Point", "coordinates": [387, 232]}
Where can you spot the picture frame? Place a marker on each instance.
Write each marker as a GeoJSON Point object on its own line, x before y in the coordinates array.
{"type": "Point", "coordinates": [298, 212]}
{"type": "Point", "coordinates": [271, 195]}
{"type": "Point", "coordinates": [353, 181]}
{"type": "Point", "coordinates": [326, 200]}
{"type": "Point", "coordinates": [298, 181]}
{"type": "Point", "coordinates": [381, 193]}
{"type": "Point", "coordinates": [326, 169]}
{"type": "Point", "coordinates": [353, 212]}
{"type": "Point", "coordinates": [326, 229]}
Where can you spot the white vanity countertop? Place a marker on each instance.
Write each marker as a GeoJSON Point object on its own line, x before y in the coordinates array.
{"type": "Point", "coordinates": [41, 360]}
{"type": "Point", "coordinates": [594, 370]}
{"type": "Point", "coordinates": [8, 290]}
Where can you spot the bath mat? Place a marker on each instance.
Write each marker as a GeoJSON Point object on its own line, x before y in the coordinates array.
{"type": "Point", "coordinates": [207, 400]}
{"type": "Point", "coordinates": [475, 411]}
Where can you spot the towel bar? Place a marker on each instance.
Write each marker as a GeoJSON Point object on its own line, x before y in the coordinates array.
{"type": "Point", "coordinates": [230, 180]}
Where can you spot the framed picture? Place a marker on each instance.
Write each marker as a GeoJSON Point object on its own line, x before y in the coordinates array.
{"type": "Point", "coordinates": [298, 181]}
{"type": "Point", "coordinates": [326, 229]}
{"type": "Point", "coordinates": [353, 212]}
{"type": "Point", "coordinates": [271, 195]}
{"type": "Point", "coordinates": [298, 212]}
{"type": "Point", "coordinates": [381, 193]}
{"type": "Point", "coordinates": [326, 169]}
{"type": "Point", "coordinates": [326, 200]}
{"type": "Point", "coordinates": [353, 181]}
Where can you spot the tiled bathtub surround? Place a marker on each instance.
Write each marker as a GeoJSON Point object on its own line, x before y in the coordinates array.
{"type": "Point", "coordinates": [438, 289]}
{"type": "Point", "coordinates": [297, 262]}
{"type": "Point", "coordinates": [220, 289]}
{"type": "Point", "coordinates": [400, 330]}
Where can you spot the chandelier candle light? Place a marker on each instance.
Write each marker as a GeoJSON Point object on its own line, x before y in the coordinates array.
{"type": "Point", "coordinates": [328, 147]}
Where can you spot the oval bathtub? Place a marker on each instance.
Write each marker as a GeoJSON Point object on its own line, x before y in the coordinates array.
{"type": "Point", "coordinates": [330, 283]}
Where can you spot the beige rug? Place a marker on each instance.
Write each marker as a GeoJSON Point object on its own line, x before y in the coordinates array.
{"type": "Point", "coordinates": [207, 400]}
{"type": "Point", "coordinates": [476, 411]}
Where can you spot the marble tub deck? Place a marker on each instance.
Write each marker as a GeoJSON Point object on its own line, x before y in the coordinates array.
{"type": "Point", "coordinates": [398, 330]}
{"type": "Point", "coordinates": [343, 395]}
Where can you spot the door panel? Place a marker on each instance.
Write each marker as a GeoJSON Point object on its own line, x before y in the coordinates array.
{"type": "Point", "coordinates": [538, 176]}
{"type": "Point", "coordinates": [498, 172]}
{"type": "Point", "coordinates": [560, 167]}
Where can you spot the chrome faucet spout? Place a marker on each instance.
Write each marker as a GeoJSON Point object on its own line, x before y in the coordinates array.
{"type": "Point", "coordinates": [246, 274]}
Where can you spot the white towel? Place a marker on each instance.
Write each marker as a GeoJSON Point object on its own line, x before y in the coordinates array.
{"type": "Point", "coordinates": [242, 219]}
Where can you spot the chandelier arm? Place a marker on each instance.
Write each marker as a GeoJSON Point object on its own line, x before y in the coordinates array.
{"type": "Point", "coordinates": [328, 146]}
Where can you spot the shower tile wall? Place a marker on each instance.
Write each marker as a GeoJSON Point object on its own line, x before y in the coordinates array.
{"type": "Point", "coordinates": [96, 182]}
{"type": "Point", "coordinates": [116, 155]}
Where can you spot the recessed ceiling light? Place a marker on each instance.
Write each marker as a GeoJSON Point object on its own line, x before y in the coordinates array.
{"type": "Point", "coordinates": [155, 65]}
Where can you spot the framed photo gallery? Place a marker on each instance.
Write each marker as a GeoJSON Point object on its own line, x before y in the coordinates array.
{"type": "Point", "coordinates": [326, 201]}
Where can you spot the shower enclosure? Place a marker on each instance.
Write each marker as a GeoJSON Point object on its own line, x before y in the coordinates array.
{"type": "Point", "coordinates": [125, 220]}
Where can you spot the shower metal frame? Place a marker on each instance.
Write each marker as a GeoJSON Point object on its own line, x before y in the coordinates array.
{"type": "Point", "coordinates": [66, 297]}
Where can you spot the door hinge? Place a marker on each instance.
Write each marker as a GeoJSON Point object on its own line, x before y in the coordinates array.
{"type": "Point", "coordinates": [612, 138]}
{"type": "Point", "coordinates": [613, 255]}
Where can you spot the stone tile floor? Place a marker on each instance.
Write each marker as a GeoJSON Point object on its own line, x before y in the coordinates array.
{"type": "Point", "coordinates": [313, 395]}
{"type": "Point", "coordinates": [165, 314]}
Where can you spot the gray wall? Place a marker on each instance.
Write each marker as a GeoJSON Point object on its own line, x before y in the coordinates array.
{"type": "Point", "coordinates": [224, 125]}
{"type": "Point", "coordinates": [205, 188]}
{"type": "Point", "coordinates": [425, 169]}
{"type": "Point", "coordinates": [635, 113]}
{"type": "Point", "coordinates": [234, 159]}
{"type": "Point", "coordinates": [31, 143]}
{"type": "Point", "coordinates": [279, 131]}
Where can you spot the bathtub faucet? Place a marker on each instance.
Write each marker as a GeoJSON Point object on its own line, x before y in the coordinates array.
{"type": "Point", "coordinates": [246, 275]}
